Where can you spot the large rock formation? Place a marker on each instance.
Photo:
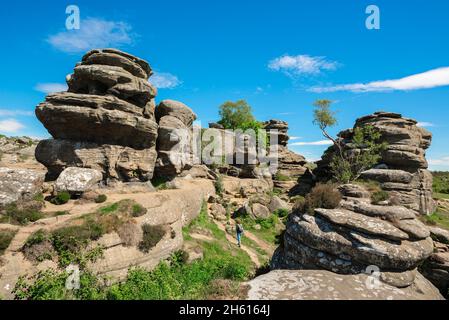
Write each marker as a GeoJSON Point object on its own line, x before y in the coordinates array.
{"type": "Point", "coordinates": [174, 144]}
{"type": "Point", "coordinates": [355, 236]}
{"type": "Point", "coordinates": [402, 170]}
{"type": "Point", "coordinates": [105, 121]}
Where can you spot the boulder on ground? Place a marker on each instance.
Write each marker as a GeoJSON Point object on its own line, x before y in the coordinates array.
{"type": "Point", "coordinates": [78, 180]}
{"type": "Point", "coordinates": [19, 185]}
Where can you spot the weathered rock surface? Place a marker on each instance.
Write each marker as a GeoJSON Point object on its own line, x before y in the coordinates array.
{"type": "Point", "coordinates": [325, 285]}
{"type": "Point", "coordinates": [174, 144]}
{"type": "Point", "coordinates": [105, 122]}
{"type": "Point", "coordinates": [114, 161]}
{"type": "Point", "coordinates": [77, 180]}
{"type": "Point", "coordinates": [436, 268]}
{"type": "Point", "coordinates": [402, 170]}
{"type": "Point", "coordinates": [355, 236]}
{"type": "Point", "coordinates": [19, 185]}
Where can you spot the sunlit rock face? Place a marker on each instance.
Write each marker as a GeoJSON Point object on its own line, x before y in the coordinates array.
{"type": "Point", "coordinates": [105, 121]}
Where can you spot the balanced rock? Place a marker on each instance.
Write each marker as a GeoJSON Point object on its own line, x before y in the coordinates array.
{"type": "Point", "coordinates": [105, 121]}
{"type": "Point", "coordinates": [402, 170]}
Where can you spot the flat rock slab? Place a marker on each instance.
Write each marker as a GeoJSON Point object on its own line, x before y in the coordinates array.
{"type": "Point", "coordinates": [362, 223]}
{"type": "Point", "coordinates": [325, 285]}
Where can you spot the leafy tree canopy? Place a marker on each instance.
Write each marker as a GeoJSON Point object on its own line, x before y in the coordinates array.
{"type": "Point", "coordinates": [238, 115]}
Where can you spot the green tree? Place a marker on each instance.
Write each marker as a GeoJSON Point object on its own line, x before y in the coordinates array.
{"type": "Point", "coordinates": [362, 153]}
{"type": "Point", "coordinates": [238, 115]}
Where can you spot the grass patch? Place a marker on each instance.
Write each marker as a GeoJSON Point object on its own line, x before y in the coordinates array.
{"type": "Point", "coordinates": [439, 218]}
{"type": "Point", "coordinates": [282, 177]}
{"type": "Point", "coordinates": [61, 198]}
{"type": "Point", "coordinates": [101, 198]}
{"type": "Point", "coordinates": [152, 235]}
{"type": "Point", "coordinates": [160, 184]}
{"type": "Point", "coordinates": [6, 237]}
{"type": "Point", "coordinates": [379, 196]}
{"type": "Point", "coordinates": [18, 216]}
{"type": "Point", "coordinates": [440, 196]}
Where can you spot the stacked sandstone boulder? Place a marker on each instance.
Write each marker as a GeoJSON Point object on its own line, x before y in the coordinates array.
{"type": "Point", "coordinates": [175, 139]}
{"type": "Point", "coordinates": [402, 170]}
{"type": "Point", "coordinates": [105, 121]}
{"type": "Point", "coordinates": [291, 166]}
{"type": "Point", "coordinates": [359, 234]}
{"type": "Point", "coordinates": [355, 236]}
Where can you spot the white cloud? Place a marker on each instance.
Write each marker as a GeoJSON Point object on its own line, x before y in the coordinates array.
{"type": "Point", "coordinates": [93, 33]}
{"type": "Point", "coordinates": [164, 80]}
{"type": "Point", "coordinates": [50, 87]}
{"type": "Point", "coordinates": [444, 161]}
{"type": "Point", "coordinates": [425, 124]}
{"type": "Point", "coordinates": [301, 65]}
{"type": "Point", "coordinates": [10, 125]}
{"type": "Point", "coordinates": [426, 80]}
{"type": "Point", "coordinates": [312, 143]}
{"type": "Point", "coordinates": [13, 113]}
{"type": "Point", "coordinates": [295, 138]}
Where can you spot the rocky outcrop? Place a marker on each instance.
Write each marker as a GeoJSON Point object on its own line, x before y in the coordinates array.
{"type": "Point", "coordinates": [19, 185]}
{"type": "Point", "coordinates": [105, 121]}
{"type": "Point", "coordinates": [174, 144]}
{"type": "Point", "coordinates": [290, 164]}
{"type": "Point", "coordinates": [355, 236]}
{"type": "Point", "coordinates": [436, 268]}
{"type": "Point", "coordinates": [325, 285]}
{"type": "Point", "coordinates": [402, 170]}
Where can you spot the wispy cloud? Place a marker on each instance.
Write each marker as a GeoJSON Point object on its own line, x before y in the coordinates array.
{"type": "Point", "coordinates": [295, 138]}
{"type": "Point", "coordinates": [302, 65]}
{"type": "Point", "coordinates": [50, 87]}
{"type": "Point", "coordinates": [13, 113]}
{"type": "Point", "coordinates": [425, 124]}
{"type": "Point", "coordinates": [10, 125]}
{"type": "Point", "coordinates": [165, 80]}
{"type": "Point", "coordinates": [93, 33]}
{"type": "Point", "coordinates": [312, 143]}
{"type": "Point", "coordinates": [439, 162]}
{"type": "Point", "coordinates": [426, 80]}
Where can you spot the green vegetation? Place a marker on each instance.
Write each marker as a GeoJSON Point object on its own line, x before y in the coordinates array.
{"type": "Point", "coordinates": [238, 115]}
{"type": "Point", "coordinates": [379, 196]}
{"type": "Point", "coordinates": [20, 216]}
{"type": "Point", "coordinates": [439, 218]}
{"type": "Point", "coordinates": [266, 229]}
{"type": "Point", "coordinates": [152, 235]}
{"type": "Point", "coordinates": [441, 182]}
{"type": "Point", "coordinates": [172, 280]}
{"type": "Point", "coordinates": [282, 177]}
{"type": "Point", "coordinates": [61, 198]}
{"type": "Point", "coordinates": [347, 165]}
{"type": "Point", "coordinates": [101, 198]}
{"type": "Point", "coordinates": [138, 210]}
{"type": "Point", "coordinates": [160, 183]}
{"type": "Point", "coordinates": [322, 196]}
{"type": "Point", "coordinates": [281, 213]}
{"type": "Point", "coordinates": [219, 187]}
{"type": "Point", "coordinates": [6, 237]}
{"type": "Point", "coordinates": [440, 196]}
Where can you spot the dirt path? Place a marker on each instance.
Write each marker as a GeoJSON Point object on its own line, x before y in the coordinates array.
{"type": "Point", "coordinates": [253, 256]}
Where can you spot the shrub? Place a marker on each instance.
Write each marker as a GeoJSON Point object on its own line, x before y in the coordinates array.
{"type": "Point", "coordinates": [22, 216]}
{"type": "Point", "coordinates": [36, 238]}
{"type": "Point", "coordinates": [6, 237]}
{"type": "Point", "coordinates": [151, 236]}
{"type": "Point", "coordinates": [322, 196]}
{"type": "Point", "coordinates": [101, 198]}
{"type": "Point", "coordinates": [282, 177]}
{"type": "Point", "coordinates": [379, 196]}
{"type": "Point", "coordinates": [180, 257]}
{"type": "Point", "coordinates": [138, 210]}
{"type": "Point", "coordinates": [219, 187]}
{"type": "Point", "coordinates": [61, 198]}
{"type": "Point", "coordinates": [281, 213]}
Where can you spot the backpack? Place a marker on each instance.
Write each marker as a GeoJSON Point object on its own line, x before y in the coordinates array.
{"type": "Point", "coordinates": [239, 228]}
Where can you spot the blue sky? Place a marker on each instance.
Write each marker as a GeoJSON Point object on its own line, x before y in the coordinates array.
{"type": "Point", "coordinates": [278, 55]}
